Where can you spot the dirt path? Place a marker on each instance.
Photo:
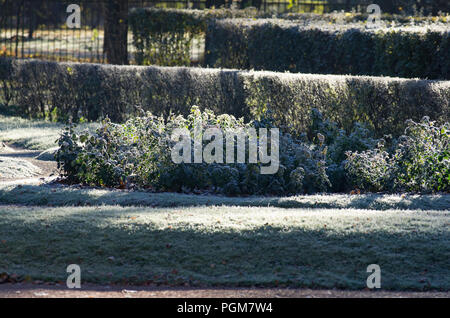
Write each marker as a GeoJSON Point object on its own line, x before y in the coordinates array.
{"type": "Point", "coordinates": [94, 291]}
{"type": "Point", "coordinates": [20, 165]}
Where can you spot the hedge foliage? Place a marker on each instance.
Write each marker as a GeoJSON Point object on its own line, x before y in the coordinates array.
{"type": "Point", "coordinates": [279, 45]}
{"type": "Point", "coordinates": [93, 91]}
{"type": "Point", "coordinates": [165, 36]}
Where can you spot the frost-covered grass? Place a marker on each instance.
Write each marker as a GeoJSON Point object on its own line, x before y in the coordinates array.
{"type": "Point", "coordinates": [268, 246]}
{"type": "Point", "coordinates": [33, 134]}
{"type": "Point", "coordinates": [35, 194]}
{"type": "Point", "coordinates": [17, 168]}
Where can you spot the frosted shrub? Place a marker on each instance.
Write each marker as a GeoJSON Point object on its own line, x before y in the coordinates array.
{"type": "Point", "coordinates": [419, 161]}
{"type": "Point", "coordinates": [138, 154]}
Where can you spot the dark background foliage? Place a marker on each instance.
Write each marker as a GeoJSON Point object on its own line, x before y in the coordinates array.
{"type": "Point", "coordinates": [281, 46]}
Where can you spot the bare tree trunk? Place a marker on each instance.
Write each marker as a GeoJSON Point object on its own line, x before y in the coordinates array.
{"type": "Point", "coordinates": [116, 31]}
{"type": "Point", "coordinates": [32, 7]}
{"type": "Point", "coordinates": [3, 13]}
{"type": "Point", "coordinates": [18, 24]}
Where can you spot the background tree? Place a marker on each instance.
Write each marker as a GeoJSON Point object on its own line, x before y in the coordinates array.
{"type": "Point", "coordinates": [116, 31]}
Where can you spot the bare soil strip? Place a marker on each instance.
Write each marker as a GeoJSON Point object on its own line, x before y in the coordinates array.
{"type": "Point", "coordinates": [94, 291]}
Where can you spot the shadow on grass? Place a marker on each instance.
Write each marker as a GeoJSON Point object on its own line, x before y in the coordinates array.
{"type": "Point", "coordinates": [110, 249]}
{"type": "Point", "coordinates": [21, 154]}
{"type": "Point", "coordinates": [75, 196]}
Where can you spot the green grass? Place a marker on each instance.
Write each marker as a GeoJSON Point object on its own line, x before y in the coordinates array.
{"type": "Point", "coordinates": [232, 246]}
{"type": "Point", "coordinates": [33, 134]}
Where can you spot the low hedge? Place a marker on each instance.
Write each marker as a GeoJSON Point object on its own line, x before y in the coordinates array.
{"type": "Point", "coordinates": [279, 45]}
{"type": "Point", "coordinates": [37, 88]}
{"type": "Point", "coordinates": [92, 91]}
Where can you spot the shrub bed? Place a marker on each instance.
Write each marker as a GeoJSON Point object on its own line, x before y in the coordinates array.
{"type": "Point", "coordinates": [279, 45]}
{"type": "Point", "coordinates": [138, 154]}
{"type": "Point", "coordinates": [92, 91]}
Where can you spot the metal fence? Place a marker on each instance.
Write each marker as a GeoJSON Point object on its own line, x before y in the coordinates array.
{"type": "Point", "coordinates": [37, 29]}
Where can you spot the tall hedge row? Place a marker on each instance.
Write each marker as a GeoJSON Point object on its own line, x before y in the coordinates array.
{"type": "Point", "coordinates": [411, 52]}
{"type": "Point", "coordinates": [93, 91]}
{"type": "Point", "coordinates": [165, 36]}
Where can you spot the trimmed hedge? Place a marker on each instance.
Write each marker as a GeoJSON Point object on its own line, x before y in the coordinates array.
{"type": "Point", "coordinates": [353, 17]}
{"type": "Point", "coordinates": [157, 31]}
{"type": "Point", "coordinates": [93, 91]}
{"type": "Point", "coordinates": [276, 45]}
{"type": "Point", "coordinates": [42, 88]}
{"type": "Point", "coordinates": [165, 36]}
